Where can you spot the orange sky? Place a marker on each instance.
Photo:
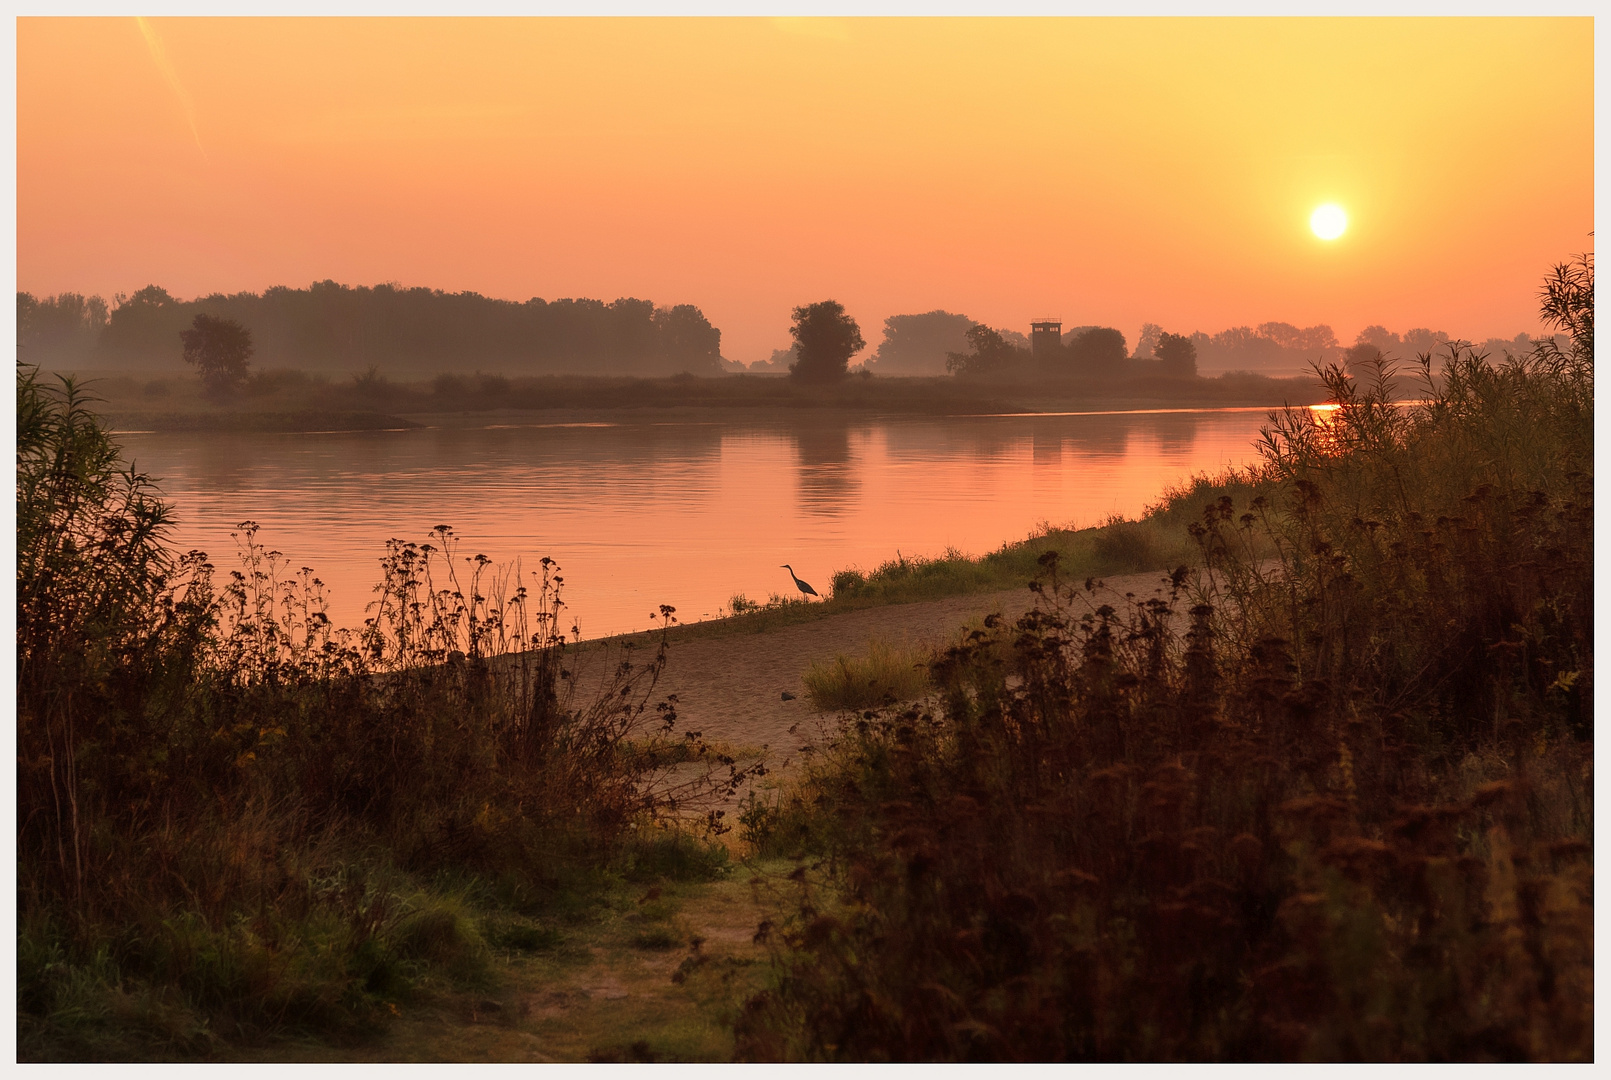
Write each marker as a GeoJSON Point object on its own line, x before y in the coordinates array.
{"type": "Point", "coordinates": [1107, 171]}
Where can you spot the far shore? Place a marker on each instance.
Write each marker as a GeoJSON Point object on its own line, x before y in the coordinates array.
{"type": "Point", "coordinates": [295, 402]}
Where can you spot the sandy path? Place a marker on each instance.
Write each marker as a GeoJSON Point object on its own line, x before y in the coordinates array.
{"type": "Point", "coordinates": [731, 687]}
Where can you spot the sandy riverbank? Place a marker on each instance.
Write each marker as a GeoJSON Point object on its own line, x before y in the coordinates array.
{"type": "Point", "coordinates": [730, 687]}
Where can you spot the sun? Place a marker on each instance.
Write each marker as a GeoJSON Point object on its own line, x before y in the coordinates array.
{"type": "Point", "coordinates": [1329, 221]}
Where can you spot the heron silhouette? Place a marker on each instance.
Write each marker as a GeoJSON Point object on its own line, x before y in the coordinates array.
{"type": "Point", "coordinates": [802, 586]}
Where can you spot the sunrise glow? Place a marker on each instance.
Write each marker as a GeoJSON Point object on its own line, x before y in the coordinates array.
{"type": "Point", "coordinates": [1104, 170]}
{"type": "Point", "coordinates": [1329, 221]}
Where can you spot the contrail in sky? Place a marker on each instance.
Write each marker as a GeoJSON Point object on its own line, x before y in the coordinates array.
{"type": "Point", "coordinates": [160, 58]}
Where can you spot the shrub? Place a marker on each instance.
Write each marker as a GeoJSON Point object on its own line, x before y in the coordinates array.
{"type": "Point", "coordinates": [887, 674]}
{"type": "Point", "coordinates": [223, 800]}
{"type": "Point", "coordinates": [219, 349]}
{"type": "Point", "coordinates": [1126, 546]}
{"type": "Point", "coordinates": [848, 583]}
{"type": "Point", "coordinates": [1328, 798]}
{"type": "Point", "coordinates": [370, 383]}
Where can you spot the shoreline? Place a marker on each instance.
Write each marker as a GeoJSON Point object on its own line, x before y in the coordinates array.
{"type": "Point", "coordinates": [318, 422]}
{"type": "Point", "coordinates": [730, 686]}
{"type": "Point", "coordinates": [298, 402]}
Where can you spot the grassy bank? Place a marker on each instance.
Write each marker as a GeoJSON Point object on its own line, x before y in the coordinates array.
{"type": "Point", "coordinates": [1159, 540]}
{"type": "Point", "coordinates": [1334, 807]}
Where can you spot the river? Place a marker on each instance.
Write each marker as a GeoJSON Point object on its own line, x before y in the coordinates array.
{"type": "Point", "coordinates": [643, 511]}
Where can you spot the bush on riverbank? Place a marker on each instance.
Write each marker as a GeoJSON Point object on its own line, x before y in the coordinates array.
{"type": "Point", "coordinates": [1334, 806]}
{"type": "Point", "coordinates": [887, 674]}
{"type": "Point", "coordinates": [237, 821]}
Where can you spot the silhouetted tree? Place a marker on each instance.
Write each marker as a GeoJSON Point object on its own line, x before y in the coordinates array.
{"type": "Point", "coordinates": [144, 324]}
{"type": "Point", "coordinates": [1100, 350]}
{"type": "Point", "coordinates": [1176, 355]}
{"type": "Point", "coordinates": [919, 344]}
{"type": "Point", "coordinates": [1147, 343]}
{"type": "Point", "coordinates": [219, 348]}
{"type": "Point", "coordinates": [825, 339]}
{"type": "Point", "coordinates": [687, 340]}
{"type": "Point", "coordinates": [1359, 357]}
{"type": "Point", "coordinates": [992, 354]}
{"type": "Point", "coordinates": [1383, 339]}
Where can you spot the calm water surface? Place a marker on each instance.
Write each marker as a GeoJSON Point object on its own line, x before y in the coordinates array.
{"type": "Point", "coordinates": [643, 513]}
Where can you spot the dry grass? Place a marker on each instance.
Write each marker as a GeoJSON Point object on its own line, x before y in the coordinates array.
{"type": "Point", "coordinates": [885, 675]}
{"type": "Point", "coordinates": [1330, 800]}
{"type": "Point", "coordinates": [237, 821]}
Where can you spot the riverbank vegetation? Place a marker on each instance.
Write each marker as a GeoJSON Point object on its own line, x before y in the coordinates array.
{"type": "Point", "coordinates": [238, 823]}
{"type": "Point", "coordinates": [1328, 798]}
{"type": "Point", "coordinates": [1159, 539]}
{"type": "Point", "coordinates": [286, 400]}
{"type": "Point", "coordinates": [885, 674]}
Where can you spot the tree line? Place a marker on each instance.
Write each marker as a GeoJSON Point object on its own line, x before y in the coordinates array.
{"type": "Point", "coordinates": [353, 327]}
{"type": "Point", "coordinates": [329, 325]}
{"type": "Point", "coordinates": [920, 344]}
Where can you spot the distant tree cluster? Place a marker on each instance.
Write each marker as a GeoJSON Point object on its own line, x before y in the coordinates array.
{"type": "Point", "coordinates": [1378, 341]}
{"type": "Point", "coordinates": [778, 363]}
{"type": "Point", "coordinates": [1091, 350]}
{"type": "Point", "coordinates": [1176, 355]}
{"type": "Point", "coordinates": [1082, 353]}
{"type": "Point", "coordinates": [333, 325]}
{"type": "Point", "coordinates": [1279, 348]}
{"type": "Point", "coordinates": [919, 344]}
{"type": "Point", "coordinates": [1275, 348]}
{"type": "Point", "coordinates": [990, 354]}
{"type": "Point", "coordinates": [66, 326]}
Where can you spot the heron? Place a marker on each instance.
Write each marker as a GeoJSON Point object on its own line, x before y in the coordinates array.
{"type": "Point", "coordinates": [802, 586]}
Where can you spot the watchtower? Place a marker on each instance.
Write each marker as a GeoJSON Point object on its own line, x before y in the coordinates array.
{"type": "Point", "coordinates": [1045, 338]}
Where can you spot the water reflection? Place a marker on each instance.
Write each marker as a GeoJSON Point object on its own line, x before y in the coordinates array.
{"type": "Point", "coordinates": [643, 513]}
{"type": "Point", "coordinates": [1047, 446]}
{"type": "Point", "coordinates": [827, 478]}
{"type": "Point", "coordinates": [1175, 432]}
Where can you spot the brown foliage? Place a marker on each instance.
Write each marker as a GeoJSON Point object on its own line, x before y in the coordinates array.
{"type": "Point", "coordinates": [1334, 805]}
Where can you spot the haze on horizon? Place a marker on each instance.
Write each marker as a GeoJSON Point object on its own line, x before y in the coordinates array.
{"type": "Point", "coordinates": [1104, 171]}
